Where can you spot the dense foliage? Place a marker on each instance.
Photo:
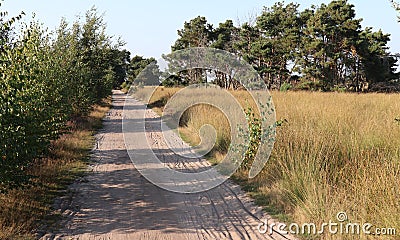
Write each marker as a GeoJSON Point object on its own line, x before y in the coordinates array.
{"type": "Point", "coordinates": [144, 69]}
{"type": "Point", "coordinates": [319, 48]}
{"type": "Point", "coordinates": [47, 80]}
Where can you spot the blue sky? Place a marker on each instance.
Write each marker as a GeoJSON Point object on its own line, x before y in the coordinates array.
{"type": "Point", "coordinates": [150, 27]}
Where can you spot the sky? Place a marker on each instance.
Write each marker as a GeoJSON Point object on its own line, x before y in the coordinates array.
{"type": "Point", "coordinates": [149, 28]}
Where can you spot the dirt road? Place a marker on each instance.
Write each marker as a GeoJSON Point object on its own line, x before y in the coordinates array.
{"type": "Point", "coordinates": [115, 202]}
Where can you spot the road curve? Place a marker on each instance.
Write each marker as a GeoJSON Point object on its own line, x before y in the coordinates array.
{"type": "Point", "coordinates": [113, 201]}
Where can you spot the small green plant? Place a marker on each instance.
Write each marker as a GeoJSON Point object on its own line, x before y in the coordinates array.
{"type": "Point", "coordinates": [255, 131]}
{"type": "Point", "coordinates": [125, 85]}
{"type": "Point", "coordinates": [279, 123]}
{"type": "Point", "coordinates": [339, 89]}
{"type": "Point", "coordinates": [285, 87]}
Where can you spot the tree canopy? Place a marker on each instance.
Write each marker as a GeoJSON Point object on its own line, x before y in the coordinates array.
{"type": "Point", "coordinates": [322, 47]}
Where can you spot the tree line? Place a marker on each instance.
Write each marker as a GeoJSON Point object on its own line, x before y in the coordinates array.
{"type": "Point", "coordinates": [48, 80]}
{"type": "Point", "coordinates": [320, 48]}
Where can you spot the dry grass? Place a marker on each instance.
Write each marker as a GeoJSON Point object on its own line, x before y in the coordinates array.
{"type": "Point", "coordinates": [337, 152]}
{"type": "Point", "coordinates": [23, 210]}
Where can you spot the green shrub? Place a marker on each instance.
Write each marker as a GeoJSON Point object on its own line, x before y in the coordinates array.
{"type": "Point", "coordinates": [285, 87]}
{"type": "Point", "coordinates": [255, 131]}
{"type": "Point", "coordinates": [44, 83]}
{"type": "Point", "coordinates": [309, 85]}
{"type": "Point", "coordinates": [30, 114]}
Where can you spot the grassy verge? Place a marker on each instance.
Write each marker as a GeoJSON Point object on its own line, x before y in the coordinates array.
{"type": "Point", "coordinates": [22, 210]}
{"type": "Point", "coordinates": [336, 152]}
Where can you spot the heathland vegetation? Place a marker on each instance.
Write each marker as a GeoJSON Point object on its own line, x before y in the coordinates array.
{"type": "Point", "coordinates": [336, 150]}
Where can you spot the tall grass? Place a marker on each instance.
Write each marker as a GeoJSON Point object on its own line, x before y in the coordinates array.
{"type": "Point", "coordinates": [336, 152]}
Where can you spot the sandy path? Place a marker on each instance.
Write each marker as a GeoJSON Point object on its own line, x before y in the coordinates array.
{"type": "Point", "coordinates": [115, 202]}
